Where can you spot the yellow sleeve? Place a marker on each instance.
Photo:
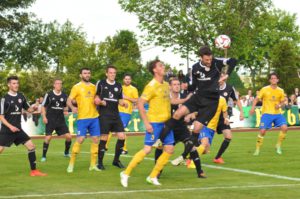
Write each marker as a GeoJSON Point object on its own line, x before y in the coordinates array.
{"type": "Point", "coordinates": [74, 92]}
{"type": "Point", "coordinates": [261, 93]}
{"type": "Point", "coordinates": [282, 96]}
{"type": "Point", "coordinates": [135, 93]}
{"type": "Point", "coordinates": [224, 105]}
{"type": "Point", "coordinates": [148, 93]}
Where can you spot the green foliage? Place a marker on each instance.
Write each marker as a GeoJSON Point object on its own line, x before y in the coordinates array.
{"type": "Point", "coordinates": [235, 80]}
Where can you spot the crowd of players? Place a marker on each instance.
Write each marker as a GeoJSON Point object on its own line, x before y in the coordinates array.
{"type": "Point", "coordinates": [107, 106]}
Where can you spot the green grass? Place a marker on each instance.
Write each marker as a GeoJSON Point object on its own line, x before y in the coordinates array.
{"type": "Point", "coordinates": [15, 180]}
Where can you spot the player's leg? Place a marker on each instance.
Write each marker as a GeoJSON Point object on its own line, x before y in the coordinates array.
{"type": "Point", "coordinates": [2, 149]}
{"type": "Point", "coordinates": [119, 150]}
{"type": "Point", "coordinates": [109, 136]}
{"type": "Point", "coordinates": [105, 126]}
{"type": "Point", "coordinates": [194, 155]}
{"type": "Point", "coordinates": [227, 138]}
{"type": "Point", "coordinates": [265, 123]}
{"type": "Point", "coordinates": [68, 143]}
{"type": "Point", "coordinates": [45, 147]}
{"type": "Point", "coordinates": [94, 129]}
{"type": "Point", "coordinates": [281, 122]}
{"type": "Point", "coordinates": [125, 118]}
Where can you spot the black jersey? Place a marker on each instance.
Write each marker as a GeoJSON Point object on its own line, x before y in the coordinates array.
{"type": "Point", "coordinates": [174, 107]}
{"type": "Point", "coordinates": [205, 80]}
{"type": "Point", "coordinates": [111, 93]}
{"type": "Point", "coordinates": [55, 105]}
{"type": "Point", "coordinates": [227, 92]}
{"type": "Point", "coordinates": [11, 107]}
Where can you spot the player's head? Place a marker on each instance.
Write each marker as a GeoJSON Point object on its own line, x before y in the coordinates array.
{"type": "Point", "coordinates": [111, 72]}
{"type": "Point", "coordinates": [273, 78]}
{"type": "Point", "coordinates": [205, 56]}
{"type": "Point", "coordinates": [57, 84]}
{"type": "Point", "coordinates": [183, 85]}
{"type": "Point", "coordinates": [156, 68]}
{"type": "Point", "coordinates": [127, 79]}
{"type": "Point", "coordinates": [13, 83]}
{"type": "Point", "coordinates": [174, 84]}
{"type": "Point", "coordinates": [85, 74]}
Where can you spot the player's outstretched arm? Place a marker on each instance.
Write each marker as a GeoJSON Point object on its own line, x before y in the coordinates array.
{"type": "Point", "coordinates": [252, 110]}
{"type": "Point", "coordinates": [142, 111]}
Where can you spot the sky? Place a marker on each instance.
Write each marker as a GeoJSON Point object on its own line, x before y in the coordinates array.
{"type": "Point", "coordinates": [102, 18]}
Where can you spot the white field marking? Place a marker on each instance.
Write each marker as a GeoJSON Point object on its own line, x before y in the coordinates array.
{"type": "Point", "coordinates": [213, 167]}
{"type": "Point", "coordinates": [151, 190]}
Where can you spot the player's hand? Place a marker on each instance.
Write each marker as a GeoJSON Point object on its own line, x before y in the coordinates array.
{"type": "Point", "coordinates": [223, 78]}
{"type": "Point", "coordinates": [187, 119]}
{"type": "Point", "coordinates": [97, 101]}
{"type": "Point", "coordinates": [252, 111]}
{"type": "Point", "coordinates": [103, 103]}
{"type": "Point", "coordinates": [226, 121]}
{"type": "Point", "coordinates": [125, 105]}
{"type": "Point", "coordinates": [45, 120]}
{"type": "Point", "coordinates": [277, 106]}
{"type": "Point", "coordinates": [242, 117]}
{"type": "Point", "coordinates": [74, 110]}
{"type": "Point", "coordinates": [189, 95]}
{"type": "Point", "coordinates": [149, 128]}
{"type": "Point", "coordinates": [14, 129]}
{"type": "Point", "coordinates": [66, 113]}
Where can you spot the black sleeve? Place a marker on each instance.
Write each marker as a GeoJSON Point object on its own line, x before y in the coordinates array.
{"type": "Point", "coordinates": [25, 104]}
{"type": "Point", "coordinates": [233, 94]}
{"type": "Point", "coordinates": [120, 93]}
{"type": "Point", "coordinates": [2, 106]}
{"type": "Point", "coordinates": [232, 62]}
{"type": "Point", "coordinates": [98, 88]}
{"type": "Point", "coordinates": [192, 87]}
{"type": "Point", "coordinates": [220, 63]}
{"type": "Point", "coordinates": [46, 100]}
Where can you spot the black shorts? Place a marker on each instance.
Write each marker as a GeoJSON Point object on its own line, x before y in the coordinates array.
{"type": "Point", "coordinates": [59, 128]}
{"type": "Point", "coordinates": [181, 133]}
{"type": "Point", "coordinates": [206, 107]}
{"type": "Point", "coordinates": [222, 126]}
{"type": "Point", "coordinates": [109, 124]}
{"type": "Point", "coordinates": [8, 138]}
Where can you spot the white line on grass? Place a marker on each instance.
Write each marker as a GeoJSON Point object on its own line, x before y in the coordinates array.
{"type": "Point", "coordinates": [151, 190]}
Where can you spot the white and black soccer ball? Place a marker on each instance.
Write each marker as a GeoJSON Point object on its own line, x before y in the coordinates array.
{"type": "Point", "coordinates": [222, 42]}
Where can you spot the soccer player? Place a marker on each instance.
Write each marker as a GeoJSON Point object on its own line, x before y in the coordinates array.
{"type": "Point", "coordinates": [272, 98]}
{"type": "Point", "coordinates": [10, 116]}
{"type": "Point", "coordinates": [84, 94]}
{"type": "Point", "coordinates": [130, 96]}
{"type": "Point", "coordinates": [206, 75]}
{"type": "Point", "coordinates": [157, 94]}
{"type": "Point", "coordinates": [181, 132]}
{"type": "Point", "coordinates": [227, 91]}
{"type": "Point", "coordinates": [53, 108]}
{"type": "Point", "coordinates": [110, 95]}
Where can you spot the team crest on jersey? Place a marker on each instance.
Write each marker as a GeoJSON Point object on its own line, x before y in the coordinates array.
{"type": "Point", "coordinates": [116, 89]}
{"type": "Point", "coordinates": [20, 101]}
{"type": "Point", "coordinates": [11, 101]}
{"type": "Point", "coordinates": [61, 99]}
{"type": "Point", "coordinates": [225, 93]}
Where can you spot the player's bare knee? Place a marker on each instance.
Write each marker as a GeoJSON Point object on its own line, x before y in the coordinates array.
{"type": "Point", "coordinates": [1, 149]}
{"type": "Point", "coordinates": [284, 128]}
{"type": "Point", "coordinates": [48, 139]}
{"type": "Point", "coordinates": [121, 136]}
{"type": "Point", "coordinates": [169, 149]}
{"type": "Point", "coordinates": [68, 137]}
{"type": "Point", "coordinates": [80, 140]}
{"type": "Point", "coordinates": [104, 137]}
{"type": "Point", "coordinates": [29, 145]}
{"type": "Point", "coordinates": [147, 149]}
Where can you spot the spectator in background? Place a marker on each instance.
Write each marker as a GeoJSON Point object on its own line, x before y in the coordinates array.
{"type": "Point", "coordinates": [183, 88]}
{"type": "Point", "coordinates": [36, 114]}
{"type": "Point", "coordinates": [249, 97]}
{"type": "Point", "coordinates": [292, 100]}
{"type": "Point", "coordinates": [244, 101]}
{"type": "Point", "coordinates": [259, 103]}
{"type": "Point", "coordinates": [181, 76]}
{"type": "Point", "coordinates": [169, 74]}
{"type": "Point", "coordinates": [188, 77]}
{"type": "Point", "coordinates": [297, 92]}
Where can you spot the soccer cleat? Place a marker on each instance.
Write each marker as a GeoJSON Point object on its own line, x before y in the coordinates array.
{"type": "Point", "coordinates": [67, 155]}
{"type": "Point", "coordinates": [94, 168]}
{"type": "Point", "coordinates": [256, 153]}
{"type": "Point", "coordinates": [43, 159]}
{"type": "Point", "coordinates": [278, 150]}
{"type": "Point", "coordinates": [100, 167]}
{"type": "Point", "coordinates": [70, 168]}
{"type": "Point", "coordinates": [157, 143]}
{"type": "Point", "coordinates": [190, 164]}
{"type": "Point", "coordinates": [219, 160]}
{"type": "Point", "coordinates": [37, 173]}
{"type": "Point", "coordinates": [201, 175]}
{"type": "Point", "coordinates": [153, 181]}
{"type": "Point", "coordinates": [177, 161]}
{"type": "Point", "coordinates": [124, 179]}
{"type": "Point", "coordinates": [118, 164]}
{"type": "Point", "coordinates": [124, 152]}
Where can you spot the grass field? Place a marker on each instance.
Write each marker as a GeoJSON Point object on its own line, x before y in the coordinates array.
{"type": "Point", "coordinates": [242, 176]}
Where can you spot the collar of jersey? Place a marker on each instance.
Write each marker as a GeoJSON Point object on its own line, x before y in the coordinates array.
{"type": "Point", "coordinates": [11, 94]}
{"type": "Point", "coordinates": [57, 93]}
{"type": "Point", "coordinates": [110, 83]}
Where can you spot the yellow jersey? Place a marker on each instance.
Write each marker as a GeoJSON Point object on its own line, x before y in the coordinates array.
{"type": "Point", "coordinates": [222, 107]}
{"type": "Point", "coordinates": [131, 92]}
{"type": "Point", "coordinates": [158, 96]}
{"type": "Point", "coordinates": [270, 98]}
{"type": "Point", "coordinates": [84, 95]}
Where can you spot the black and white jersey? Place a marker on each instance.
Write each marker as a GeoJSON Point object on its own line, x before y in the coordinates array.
{"type": "Point", "coordinates": [205, 79]}
{"type": "Point", "coordinates": [55, 104]}
{"type": "Point", "coordinates": [111, 93]}
{"type": "Point", "coordinates": [11, 107]}
{"type": "Point", "coordinates": [228, 91]}
{"type": "Point", "coordinates": [174, 107]}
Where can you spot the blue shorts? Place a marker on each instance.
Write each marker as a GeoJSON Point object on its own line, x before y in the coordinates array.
{"type": "Point", "coordinates": [150, 138]}
{"type": "Point", "coordinates": [90, 126]}
{"type": "Point", "coordinates": [267, 120]}
{"type": "Point", "coordinates": [207, 133]}
{"type": "Point", "coordinates": [125, 117]}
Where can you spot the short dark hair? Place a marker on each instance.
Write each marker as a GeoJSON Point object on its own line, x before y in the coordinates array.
{"type": "Point", "coordinates": [127, 74]}
{"type": "Point", "coordinates": [57, 79]}
{"type": "Point", "coordinates": [13, 77]}
{"type": "Point", "coordinates": [273, 74]}
{"type": "Point", "coordinates": [173, 79]}
{"type": "Point", "coordinates": [152, 65]}
{"type": "Point", "coordinates": [85, 68]}
{"type": "Point", "coordinates": [110, 66]}
{"type": "Point", "coordinates": [204, 50]}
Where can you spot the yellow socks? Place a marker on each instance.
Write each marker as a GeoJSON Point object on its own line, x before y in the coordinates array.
{"type": "Point", "coordinates": [94, 154]}
{"type": "Point", "coordinates": [281, 137]}
{"type": "Point", "coordinates": [75, 151]}
{"type": "Point", "coordinates": [137, 158]}
{"type": "Point", "coordinates": [201, 149]}
{"type": "Point", "coordinates": [161, 162]}
{"type": "Point", "coordinates": [125, 145]}
{"type": "Point", "coordinates": [259, 141]}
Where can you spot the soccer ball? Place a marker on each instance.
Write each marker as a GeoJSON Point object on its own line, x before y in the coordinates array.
{"type": "Point", "coordinates": [222, 42]}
